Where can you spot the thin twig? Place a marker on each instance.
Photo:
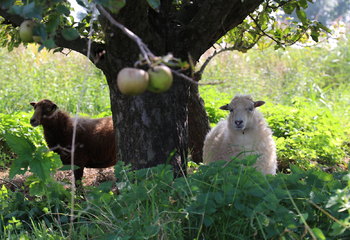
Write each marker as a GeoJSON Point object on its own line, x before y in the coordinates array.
{"type": "Point", "coordinates": [142, 46]}
{"type": "Point", "coordinates": [8, 182]}
{"type": "Point", "coordinates": [285, 44]}
{"type": "Point", "coordinates": [328, 214]}
{"type": "Point", "coordinates": [177, 73]}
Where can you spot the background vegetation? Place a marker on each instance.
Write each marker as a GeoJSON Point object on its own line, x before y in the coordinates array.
{"type": "Point", "coordinates": [307, 93]}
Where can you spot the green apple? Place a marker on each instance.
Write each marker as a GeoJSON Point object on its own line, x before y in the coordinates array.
{"type": "Point", "coordinates": [26, 31]}
{"type": "Point", "coordinates": [132, 81]}
{"type": "Point", "coordinates": [37, 39]}
{"type": "Point", "coordinates": [160, 79]}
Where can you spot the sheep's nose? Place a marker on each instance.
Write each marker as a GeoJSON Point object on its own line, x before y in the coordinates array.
{"type": "Point", "coordinates": [238, 122]}
{"type": "Point", "coordinates": [33, 122]}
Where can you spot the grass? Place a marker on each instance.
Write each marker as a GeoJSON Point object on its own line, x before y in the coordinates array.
{"type": "Point", "coordinates": [319, 74]}
{"type": "Point", "coordinates": [27, 75]}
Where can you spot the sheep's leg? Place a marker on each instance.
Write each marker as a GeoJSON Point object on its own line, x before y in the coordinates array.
{"type": "Point", "coordinates": [78, 175]}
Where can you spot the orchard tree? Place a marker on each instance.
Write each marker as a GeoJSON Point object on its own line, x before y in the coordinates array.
{"type": "Point", "coordinates": [153, 128]}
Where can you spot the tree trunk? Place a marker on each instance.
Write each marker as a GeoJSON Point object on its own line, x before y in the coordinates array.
{"type": "Point", "coordinates": [198, 124]}
{"type": "Point", "coordinates": [152, 128]}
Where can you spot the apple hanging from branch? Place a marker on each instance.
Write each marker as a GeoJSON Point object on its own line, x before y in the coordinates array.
{"type": "Point", "coordinates": [160, 79]}
{"type": "Point", "coordinates": [132, 81]}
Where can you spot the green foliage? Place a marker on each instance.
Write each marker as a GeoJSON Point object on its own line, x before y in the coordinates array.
{"type": "Point", "coordinates": [307, 135]}
{"type": "Point", "coordinates": [18, 125]}
{"type": "Point", "coordinates": [268, 26]}
{"type": "Point", "coordinates": [39, 160]}
{"type": "Point", "coordinates": [203, 205]}
{"type": "Point", "coordinates": [208, 203]}
{"type": "Point", "coordinates": [213, 101]}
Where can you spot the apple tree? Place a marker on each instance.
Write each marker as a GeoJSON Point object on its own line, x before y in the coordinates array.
{"type": "Point", "coordinates": [151, 127]}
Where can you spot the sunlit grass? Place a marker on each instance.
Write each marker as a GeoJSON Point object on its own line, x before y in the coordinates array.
{"type": "Point", "coordinates": [28, 75]}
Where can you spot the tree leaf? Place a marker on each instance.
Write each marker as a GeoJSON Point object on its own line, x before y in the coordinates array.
{"type": "Point", "coordinates": [155, 4]}
{"type": "Point", "coordinates": [63, 10]}
{"type": "Point", "coordinates": [49, 43]}
{"type": "Point", "coordinates": [318, 233]}
{"type": "Point", "coordinates": [302, 15]}
{"type": "Point", "coordinates": [113, 5]}
{"type": "Point", "coordinates": [303, 4]}
{"type": "Point", "coordinates": [70, 34]}
{"type": "Point", "coordinates": [27, 11]}
{"type": "Point", "coordinates": [52, 23]}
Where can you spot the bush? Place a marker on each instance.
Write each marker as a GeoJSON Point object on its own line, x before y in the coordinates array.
{"type": "Point", "coordinates": [219, 201]}
{"type": "Point", "coordinates": [18, 125]}
{"type": "Point", "coordinates": [306, 135]}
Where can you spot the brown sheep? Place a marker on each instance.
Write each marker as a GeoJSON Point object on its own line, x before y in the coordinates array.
{"type": "Point", "coordinates": [95, 145]}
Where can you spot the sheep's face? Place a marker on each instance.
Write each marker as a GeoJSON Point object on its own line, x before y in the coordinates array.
{"type": "Point", "coordinates": [242, 109]}
{"type": "Point", "coordinates": [43, 109]}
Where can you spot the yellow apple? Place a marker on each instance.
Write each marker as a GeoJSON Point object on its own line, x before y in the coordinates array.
{"type": "Point", "coordinates": [132, 81]}
{"type": "Point", "coordinates": [26, 31]}
{"type": "Point", "coordinates": [160, 79]}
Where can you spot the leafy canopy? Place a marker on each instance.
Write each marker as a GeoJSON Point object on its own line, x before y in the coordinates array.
{"type": "Point", "coordinates": [55, 20]}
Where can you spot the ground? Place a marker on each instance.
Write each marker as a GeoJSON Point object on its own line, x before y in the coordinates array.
{"type": "Point", "coordinates": [92, 177]}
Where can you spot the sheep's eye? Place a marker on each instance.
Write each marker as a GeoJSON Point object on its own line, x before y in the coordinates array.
{"type": "Point", "coordinates": [251, 109]}
{"type": "Point", "coordinates": [231, 110]}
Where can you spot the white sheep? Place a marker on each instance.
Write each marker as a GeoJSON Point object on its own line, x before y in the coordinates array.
{"type": "Point", "coordinates": [245, 132]}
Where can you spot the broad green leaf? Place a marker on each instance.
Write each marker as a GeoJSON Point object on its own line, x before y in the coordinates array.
{"type": "Point", "coordinates": [49, 43]}
{"type": "Point", "coordinates": [19, 166]}
{"type": "Point", "coordinates": [70, 34]}
{"type": "Point", "coordinates": [27, 11]}
{"type": "Point", "coordinates": [40, 166]}
{"type": "Point", "coordinates": [37, 188]}
{"type": "Point", "coordinates": [288, 8]}
{"type": "Point", "coordinates": [155, 4]}
{"type": "Point", "coordinates": [318, 233]}
{"type": "Point", "coordinates": [21, 146]}
{"type": "Point", "coordinates": [303, 4]}
{"type": "Point", "coordinates": [63, 10]}
{"type": "Point", "coordinates": [315, 34]}
{"type": "Point", "coordinates": [302, 15]}
{"type": "Point", "coordinates": [53, 23]}
{"type": "Point", "coordinates": [81, 3]}
{"type": "Point", "coordinates": [113, 5]}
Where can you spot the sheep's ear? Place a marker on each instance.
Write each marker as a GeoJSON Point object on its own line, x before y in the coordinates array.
{"type": "Point", "coordinates": [32, 103]}
{"type": "Point", "coordinates": [258, 103]}
{"type": "Point", "coordinates": [225, 107]}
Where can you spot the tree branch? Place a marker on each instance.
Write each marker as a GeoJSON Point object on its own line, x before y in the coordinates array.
{"type": "Point", "coordinates": [198, 74]}
{"type": "Point", "coordinates": [142, 46]}
{"type": "Point", "coordinates": [79, 45]}
{"type": "Point", "coordinates": [263, 33]}
{"type": "Point", "coordinates": [212, 20]}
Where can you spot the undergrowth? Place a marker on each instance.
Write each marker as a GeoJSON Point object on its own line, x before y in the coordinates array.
{"type": "Point", "coordinates": [220, 201]}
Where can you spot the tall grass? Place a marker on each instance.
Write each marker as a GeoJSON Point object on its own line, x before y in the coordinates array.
{"type": "Point", "coordinates": [320, 74]}
{"type": "Point", "coordinates": [28, 75]}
